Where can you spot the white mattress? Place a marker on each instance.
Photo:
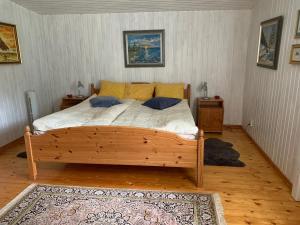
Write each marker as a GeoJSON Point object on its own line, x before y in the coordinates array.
{"type": "Point", "coordinates": [177, 119]}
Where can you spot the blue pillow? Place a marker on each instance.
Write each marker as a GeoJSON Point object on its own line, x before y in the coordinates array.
{"type": "Point", "coordinates": [104, 101]}
{"type": "Point", "coordinates": [161, 102]}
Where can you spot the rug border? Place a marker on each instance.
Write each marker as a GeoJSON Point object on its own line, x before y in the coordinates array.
{"type": "Point", "coordinates": [218, 207]}
{"type": "Point", "coordinates": [16, 199]}
{"type": "Point", "coordinates": [132, 189]}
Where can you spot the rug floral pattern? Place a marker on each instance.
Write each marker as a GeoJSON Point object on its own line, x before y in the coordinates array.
{"type": "Point", "coordinates": [57, 205]}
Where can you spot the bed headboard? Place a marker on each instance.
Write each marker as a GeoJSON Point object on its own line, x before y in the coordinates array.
{"type": "Point", "coordinates": [187, 90]}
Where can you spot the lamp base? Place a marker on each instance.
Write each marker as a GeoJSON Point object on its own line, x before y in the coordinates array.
{"type": "Point", "coordinates": [205, 98]}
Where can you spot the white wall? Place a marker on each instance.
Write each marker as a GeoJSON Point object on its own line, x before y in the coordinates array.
{"type": "Point", "coordinates": [57, 51]}
{"type": "Point", "coordinates": [200, 46]}
{"type": "Point", "coordinates": [272, 98]}
{"type": "Point", "coordinates": [15, 79]}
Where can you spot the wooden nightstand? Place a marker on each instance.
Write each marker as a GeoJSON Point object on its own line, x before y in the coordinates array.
{"type": "Point", "coordinates": [68, 102]}
{"type": "Point", "coordinates": [210, 114]}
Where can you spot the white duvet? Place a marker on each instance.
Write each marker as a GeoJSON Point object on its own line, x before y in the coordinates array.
{"type": "Point", "coordinates": [81, 115]}
{"type": "Point", "coordinates": [177, 119]}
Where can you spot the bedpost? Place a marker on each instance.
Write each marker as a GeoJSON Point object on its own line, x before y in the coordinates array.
{"type": "Point", "coordinates": [30, 161]}
{"type": "Point", "coordinates": [200, 159]}
{"type": "Point", "coordinates": [92, 89]}
{"type": "Point", "coordinates": [189, 94]}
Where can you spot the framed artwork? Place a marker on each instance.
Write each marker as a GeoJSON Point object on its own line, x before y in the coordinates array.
{"type": "Point", "coordinates": [295, 54]}
{"type": "Point", "coordinates": [9, 46]}
{"type": "Point", "coordinates": [269, 43]}
{"type": "Point", "coordinates": [145, 48]}
{"type": "Point", "coordinates": [297, 35]}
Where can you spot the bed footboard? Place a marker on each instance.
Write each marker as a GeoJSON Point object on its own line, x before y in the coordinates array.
{"type": "Point", "coordinates": [114, 145]}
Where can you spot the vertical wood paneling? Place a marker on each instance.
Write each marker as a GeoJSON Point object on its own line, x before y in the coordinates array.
{"type": "Point", "coordinates": [272, 98]}
{"type": "Point", "coordinates": [204, 45]}
{"type": "Point", "coordinates": [15, 79]}
{"type": "Point", "coordinates": [58, 51]}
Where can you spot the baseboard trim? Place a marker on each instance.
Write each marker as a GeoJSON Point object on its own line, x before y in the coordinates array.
{"type": "Point", "coordinates": [286, 180]}
{"type": "Point", "coordinates": [232, 126]}
{"type": "Point", "coordinates": [20, 140]}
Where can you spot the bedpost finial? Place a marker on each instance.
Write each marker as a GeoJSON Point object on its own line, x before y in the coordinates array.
{"type": "Point", "coordinates": [201, 133]}
{"type": "Point", "coordinates": [27, 129]}
{"type": "Point", "coordinates": [93, 91]}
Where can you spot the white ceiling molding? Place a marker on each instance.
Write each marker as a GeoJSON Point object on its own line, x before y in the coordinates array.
{"type": "Point", "coordinates": [50, 7]}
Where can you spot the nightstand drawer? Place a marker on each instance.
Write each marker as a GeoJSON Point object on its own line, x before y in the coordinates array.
{"type": "Point", "coordinates": [211, 119]}
{"type": "Point", "coordinates": [210, 115]}
{"type": "Point", "coordinates": [68, 102]}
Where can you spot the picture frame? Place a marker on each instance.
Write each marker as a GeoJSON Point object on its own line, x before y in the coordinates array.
{"type": "Point", "coordinates": [9, 44]}
{"type": "Point", "coordinates": [144, 48]}
{"type": "Point", "coordinates": [269, 43]}
{"type": "Point", "coordinates": [297, 32]}
{"type": "Point", "coordinates": [295, 54]}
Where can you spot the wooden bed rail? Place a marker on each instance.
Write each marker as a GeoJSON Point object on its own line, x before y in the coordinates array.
{"type": "Point", "coordinates": [115, 145]}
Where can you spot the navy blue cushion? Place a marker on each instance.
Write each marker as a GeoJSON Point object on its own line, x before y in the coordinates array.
{"type": "Point", "coordinates": [161, 102]}
{"type": "Point", "coordinates": [104, 101]}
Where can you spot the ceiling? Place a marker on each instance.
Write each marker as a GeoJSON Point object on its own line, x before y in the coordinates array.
{"type": "Point", "coordinates": [117, 6]}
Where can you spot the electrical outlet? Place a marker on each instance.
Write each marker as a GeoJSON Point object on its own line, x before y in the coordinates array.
{"type": "Point", "coordinates": [251, 123]}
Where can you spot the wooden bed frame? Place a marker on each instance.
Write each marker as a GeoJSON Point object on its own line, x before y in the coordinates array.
{"type": "Point", "coordinates": [115, 145]}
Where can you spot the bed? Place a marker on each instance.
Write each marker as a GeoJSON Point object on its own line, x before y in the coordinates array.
{"type": "Point", "coordinates": [119, 135]}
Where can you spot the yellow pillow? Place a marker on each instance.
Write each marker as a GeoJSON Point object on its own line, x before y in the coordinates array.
{"type": "Point", "coordinates": [170, 90]}
{"type": "Point", "coordinates": [109, 88]}
{"type": "Point", "coordinates": [139, 91]}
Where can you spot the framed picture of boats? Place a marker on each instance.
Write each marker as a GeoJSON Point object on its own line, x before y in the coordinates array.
{"type": "Point", "coordinates": [269, 43]}
{"type": "Point", "coordinates": [145, 48]}
{"type": "Point", "coordinates": [9, 46]}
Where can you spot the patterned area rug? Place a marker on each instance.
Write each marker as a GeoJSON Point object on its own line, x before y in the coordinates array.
{"type": "Point", "coordinates": [48, 204]}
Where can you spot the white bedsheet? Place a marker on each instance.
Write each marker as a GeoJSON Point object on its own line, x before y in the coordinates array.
{"type": "Point", "coordinates": [80, 115]}
{"type": "Point", "coordinates": [177, 119]}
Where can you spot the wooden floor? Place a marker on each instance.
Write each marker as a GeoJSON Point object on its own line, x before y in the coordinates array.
{"type": "Point", "coordinates": [254, 195]}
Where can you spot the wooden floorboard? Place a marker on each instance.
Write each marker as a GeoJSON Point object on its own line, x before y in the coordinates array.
{"type": "Point", "coordinates": [254, 195]}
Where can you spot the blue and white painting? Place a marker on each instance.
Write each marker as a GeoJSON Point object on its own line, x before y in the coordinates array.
{"type": "Point", "coordinates": [269, 43]}
{"type": "Point", "coordinates": [144, 48]}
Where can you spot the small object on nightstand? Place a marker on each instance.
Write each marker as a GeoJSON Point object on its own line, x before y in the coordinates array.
{"type": "Point", "coordinates": [79, 86]}
{"type": "Point", "coordinates": [203, 86]}
{"type": "Point", "coordinates": [68, 101]}
{"type": "Point", "coordinates": [210, 113]}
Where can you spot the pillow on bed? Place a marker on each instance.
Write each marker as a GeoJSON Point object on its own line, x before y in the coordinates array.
{"type": "Point", "coordinates": [104, 101]}
{"type": "Point", "coordinates": [139, 91]}
{"type": "Point", "coordinates": [109, 88]}
{"type": "Point", "coordinates": [161, 102]}
{"type": "Point", "coordinates": [170, 90]}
